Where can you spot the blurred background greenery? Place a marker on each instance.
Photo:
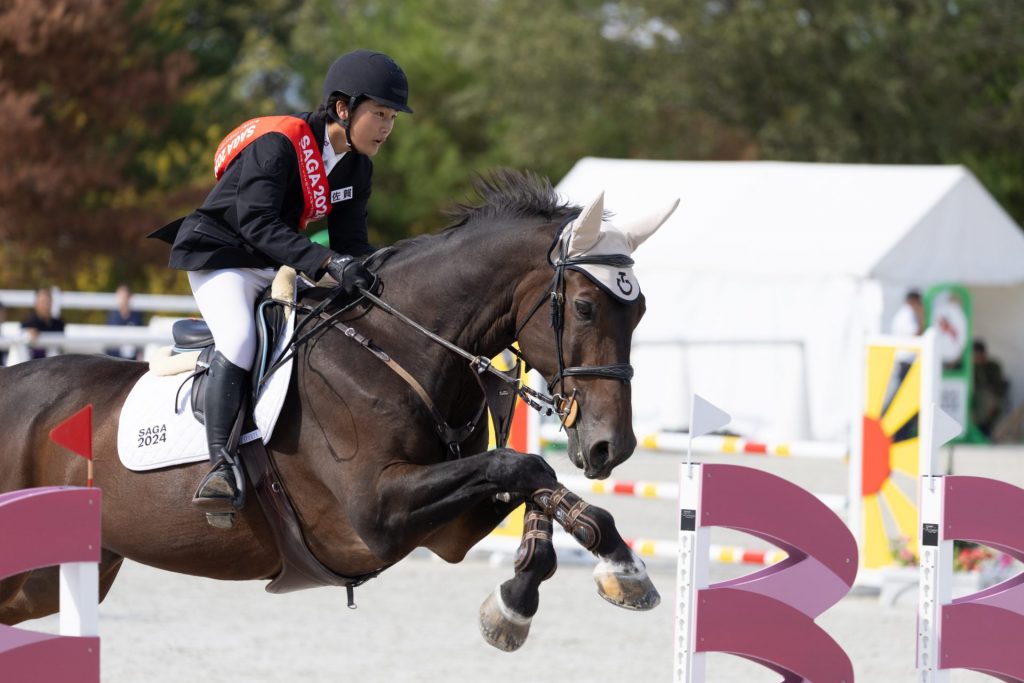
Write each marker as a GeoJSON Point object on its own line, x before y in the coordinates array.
{"type": "Point", "coordinates": [113, 108]}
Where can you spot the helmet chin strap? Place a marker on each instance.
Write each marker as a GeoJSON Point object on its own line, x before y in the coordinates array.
{"type": "Point", "coordinates": [332, 114]}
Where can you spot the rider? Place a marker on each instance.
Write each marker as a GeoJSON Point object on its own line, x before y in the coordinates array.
{"type": "Point", "coordinates": [252, 222]}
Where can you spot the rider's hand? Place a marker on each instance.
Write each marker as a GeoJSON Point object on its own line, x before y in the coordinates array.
{"type": "Point", "coordinates": [351, 274]}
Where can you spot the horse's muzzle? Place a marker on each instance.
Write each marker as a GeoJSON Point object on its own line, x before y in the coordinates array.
{"type": "Point", "coordinates": [598, 458]}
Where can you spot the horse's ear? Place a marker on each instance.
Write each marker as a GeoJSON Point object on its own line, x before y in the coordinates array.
{"type": "Point", "coordinates": [639, 230]}
{"type": "Point", "coordinates": [587, 226]}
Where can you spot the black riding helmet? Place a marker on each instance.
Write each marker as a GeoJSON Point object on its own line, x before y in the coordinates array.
{"type": "Point", "coordinates": [365, 73]}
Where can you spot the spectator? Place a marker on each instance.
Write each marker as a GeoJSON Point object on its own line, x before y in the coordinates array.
{"type": "Point", "coordinates": [908, 322]}
{"type": "Point", "coordinates": [124, 315]}
{"type": "Point", "coordinates": [42, 320]}
{"type": "Point", "coordinates": [3, 319]}
{"type": "Point", "coordinates": [909, 318]}
{"type": "Point", "coordinates": [990, 390]}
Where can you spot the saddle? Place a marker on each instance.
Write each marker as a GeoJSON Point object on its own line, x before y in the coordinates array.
{"type": "Point", "coordinates": [193, 335]}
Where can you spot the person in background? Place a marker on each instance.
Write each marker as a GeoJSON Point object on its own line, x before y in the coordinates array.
{"type": "Point", "coordinates": [990, 390]}
{"type": "Point", "coordinates": [41, 320]}
{"type": "Point", "coordinates": [125, 316]}
{"type": "Point", "coordinates": [908, 322]}
{"type": "Point", "coordinates": [909, 318]}
{"type": "Point", "coordinates": [3, 319]}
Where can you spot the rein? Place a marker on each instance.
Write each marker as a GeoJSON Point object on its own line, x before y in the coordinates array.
{"type": "Point", "coordinates": [452, 437]}
{"type": "Point", "coordinates": [556, 403]}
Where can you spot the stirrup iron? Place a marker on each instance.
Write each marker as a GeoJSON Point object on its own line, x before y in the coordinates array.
{"type": "Point", "coordinates": [222, 490]}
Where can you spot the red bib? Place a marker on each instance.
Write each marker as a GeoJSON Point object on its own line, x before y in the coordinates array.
{"type": "Point", "coordinates": [315, 188]}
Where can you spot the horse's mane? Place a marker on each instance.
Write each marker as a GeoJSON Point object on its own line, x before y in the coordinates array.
{"type": "Point", "coordinates": [507, 193]}
{"type": "Point", "coordinates": [502, 194]}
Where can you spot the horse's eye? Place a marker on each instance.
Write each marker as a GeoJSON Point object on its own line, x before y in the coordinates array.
{"type": "Point", "coordinates": [584, 309]}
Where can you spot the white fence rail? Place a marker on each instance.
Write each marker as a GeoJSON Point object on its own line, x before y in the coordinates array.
{"type": "Point", "coordinates": [80, 338]}
{"type": "Point", "coordinates": [100, 301]}
{"type": "Point", "coordinates": [16, 342]}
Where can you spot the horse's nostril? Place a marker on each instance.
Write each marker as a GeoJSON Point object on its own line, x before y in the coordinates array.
{"type": "Point", "coordinates": [600, 454]}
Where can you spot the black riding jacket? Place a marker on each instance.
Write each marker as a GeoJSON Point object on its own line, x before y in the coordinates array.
{"type": "Point", "coordinates": [250, 219]}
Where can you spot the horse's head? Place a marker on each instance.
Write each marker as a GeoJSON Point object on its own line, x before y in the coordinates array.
{"type": "Point", "coordinates": [582, 340]}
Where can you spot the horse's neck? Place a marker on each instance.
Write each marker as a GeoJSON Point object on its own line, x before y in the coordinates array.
{"type": "Point", "coordinates": [464, 287]}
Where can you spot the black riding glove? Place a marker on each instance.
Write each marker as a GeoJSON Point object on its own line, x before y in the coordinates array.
{"type": "Point", "coordinates": [351, 274]}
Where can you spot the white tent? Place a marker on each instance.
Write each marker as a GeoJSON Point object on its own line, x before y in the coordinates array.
{"type": "Point", "coordinates": [762, 285]}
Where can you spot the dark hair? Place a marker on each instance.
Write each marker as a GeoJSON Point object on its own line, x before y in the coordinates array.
{"type": "Point", "coordinates": [332, 104]}
{"type": "Point", "coordinates": [913, 295]}
{"type": "Point", "coordinates": [979, 346]}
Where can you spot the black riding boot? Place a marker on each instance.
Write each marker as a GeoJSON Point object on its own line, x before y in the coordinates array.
{"type": "Point", "coordinates": [226, 386]}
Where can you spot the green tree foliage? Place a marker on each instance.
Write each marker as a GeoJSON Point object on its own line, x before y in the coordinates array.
{"type": "Point", "coordinates": [80, 96]}
{"type": "Point", "coordinates": [114, 108]}
{"type": "Point", "coordinates": [137, 94]}
{"type": "Point", "coordinates": [512, 83]}
{"type": "Point", "coordinates": [429, 156]}
{"type": "Point", "coordinates": [899, 81]}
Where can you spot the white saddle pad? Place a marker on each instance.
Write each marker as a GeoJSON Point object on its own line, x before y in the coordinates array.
{"type": "Point", "coordinates": [153, 432]}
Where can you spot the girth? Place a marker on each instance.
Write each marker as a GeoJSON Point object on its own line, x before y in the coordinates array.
{"type": "Point", "coordinates": [300, 569]}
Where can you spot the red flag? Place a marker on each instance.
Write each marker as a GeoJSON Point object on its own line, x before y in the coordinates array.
{"type": "Point", "coordinates": [75, 433]}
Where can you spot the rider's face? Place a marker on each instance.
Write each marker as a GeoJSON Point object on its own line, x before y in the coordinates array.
{"type": "Point", "coordinates": [371, 126]}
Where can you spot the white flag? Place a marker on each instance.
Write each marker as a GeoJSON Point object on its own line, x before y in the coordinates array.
{"type": "Point", "coordinates": [945, 428]}
{"type": "Point", "coordinates": [706, 417]}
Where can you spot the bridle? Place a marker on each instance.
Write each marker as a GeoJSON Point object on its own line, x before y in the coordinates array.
{"type": "Point", "coordinates": [557, 402]}
{"type": "Point", "coordinates": [556, 295]}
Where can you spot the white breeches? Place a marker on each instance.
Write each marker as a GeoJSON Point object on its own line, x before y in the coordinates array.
{"type": "Point", "coordinates": [226, 298]}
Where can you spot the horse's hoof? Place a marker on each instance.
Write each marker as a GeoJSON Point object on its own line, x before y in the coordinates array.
{"type": "Point", "coordinates": [500, 626]}
{"type": "Point", "coordinates": [626, 585]}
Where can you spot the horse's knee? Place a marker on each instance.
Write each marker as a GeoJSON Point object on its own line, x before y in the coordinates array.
{"type": "Point", "coordinates": [519, 472]}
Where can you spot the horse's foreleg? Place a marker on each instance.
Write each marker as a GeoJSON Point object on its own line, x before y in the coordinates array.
{"type": "Point", "coordinates": [621, 575]}
{"type": "Point", "coordinates": [412, 501]}
{"type": "Point", "coordinates": [506, 614]}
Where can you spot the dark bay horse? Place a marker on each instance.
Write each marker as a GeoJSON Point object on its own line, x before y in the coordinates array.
{"type": "Point", "coordinates": [357, 452]}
